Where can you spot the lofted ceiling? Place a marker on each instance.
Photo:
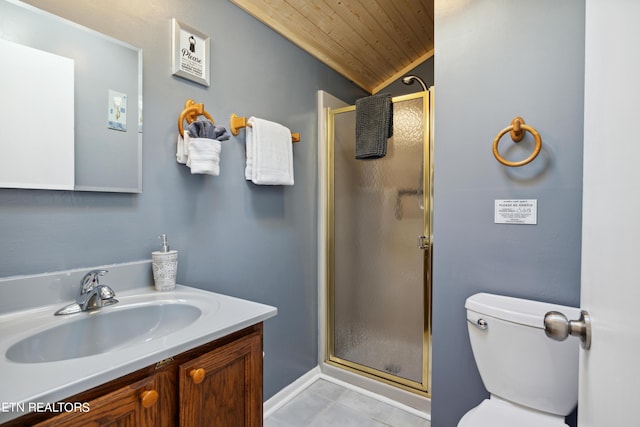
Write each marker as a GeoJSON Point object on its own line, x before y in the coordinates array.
{"type": "Point", "coordinates": [371, 42]}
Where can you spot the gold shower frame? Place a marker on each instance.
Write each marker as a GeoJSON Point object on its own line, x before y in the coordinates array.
{"type": "Point", "coordinates": [423, 387]}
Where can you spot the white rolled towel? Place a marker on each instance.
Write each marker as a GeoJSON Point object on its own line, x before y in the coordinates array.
{"type": "Point", "coordinates": [204, 156]}
{"type": "Point", "coordinates": [182, 153]}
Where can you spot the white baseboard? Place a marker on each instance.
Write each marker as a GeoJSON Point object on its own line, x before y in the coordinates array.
{"type": "Point", "coordinates": [282, 397]}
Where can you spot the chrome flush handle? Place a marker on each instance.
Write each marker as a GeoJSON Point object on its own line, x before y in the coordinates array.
{"type": "Point", "coordinates": [558, 327]}
{"type": "Point", "coordinates": [480, 323]}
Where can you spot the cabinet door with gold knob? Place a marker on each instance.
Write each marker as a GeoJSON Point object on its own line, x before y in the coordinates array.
{"type": "Point", "coordinates": [223, 387]}
{"type": "Point", "coordinates": [133, 405]}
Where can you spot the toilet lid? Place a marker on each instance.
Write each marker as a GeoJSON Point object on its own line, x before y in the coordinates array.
{"type": "Point", "coordinates": [498, 413]}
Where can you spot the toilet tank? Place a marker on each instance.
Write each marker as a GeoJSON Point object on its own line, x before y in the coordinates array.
{"type": "Point", "coordinates": [516, 360]}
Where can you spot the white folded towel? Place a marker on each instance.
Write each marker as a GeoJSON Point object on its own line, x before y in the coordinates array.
{"type": "Point", "coordinates": [269, 153]}
{"type": "Point", "coordinates": [204, 156]}
{"type": "Point", "coordinates": [182, 155]}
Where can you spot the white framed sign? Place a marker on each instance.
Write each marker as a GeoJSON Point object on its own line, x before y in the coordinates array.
{"type": "Point", "coordinates": [190, 53]}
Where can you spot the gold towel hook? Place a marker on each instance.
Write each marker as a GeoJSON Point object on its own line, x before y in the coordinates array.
{"type": "Point", "coordinates": [517, 131]}
{"type": "Point", "coordinates": [236, 123]}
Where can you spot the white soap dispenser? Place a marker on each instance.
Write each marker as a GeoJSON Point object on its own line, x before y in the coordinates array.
{"type": "Point", "coordinates": [165, 266]}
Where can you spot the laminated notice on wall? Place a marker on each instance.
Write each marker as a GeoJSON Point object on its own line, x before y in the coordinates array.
{"type": "Point", "coordinates": [516, 212]}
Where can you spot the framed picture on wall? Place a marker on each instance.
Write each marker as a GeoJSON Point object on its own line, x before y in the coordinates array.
{"type": "Point", "coordinates": [190, 53]}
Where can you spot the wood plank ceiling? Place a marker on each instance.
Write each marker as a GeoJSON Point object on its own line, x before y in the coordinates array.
{"type": "Point", "coordinates": [371, 42]}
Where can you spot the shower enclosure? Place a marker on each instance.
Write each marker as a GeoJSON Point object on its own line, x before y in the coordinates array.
{"type": "Point", "coordinates": [378, 240]}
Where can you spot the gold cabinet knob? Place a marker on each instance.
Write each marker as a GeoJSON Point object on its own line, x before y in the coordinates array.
{"type": "Point", "coordinates": [197, 375]}
{"type": "Point", "coordinates": [148, 398]}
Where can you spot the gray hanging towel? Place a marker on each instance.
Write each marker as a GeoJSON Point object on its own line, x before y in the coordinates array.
{"type": "Point", "coordinates": [374, 124]}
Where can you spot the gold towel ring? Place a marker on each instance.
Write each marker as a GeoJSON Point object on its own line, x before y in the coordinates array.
{"type": "Point", "coordinates": [190, 113]}
{"type": "Point", "coordinates": [517, 130]}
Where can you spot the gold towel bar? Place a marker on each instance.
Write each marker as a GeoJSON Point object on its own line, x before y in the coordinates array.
{"type": "Point", "coordinates": [236, 123]}
{"type": "Point", "coordinates": [517, 131]}
{"type": "Point", "coordinates": [190, 114]}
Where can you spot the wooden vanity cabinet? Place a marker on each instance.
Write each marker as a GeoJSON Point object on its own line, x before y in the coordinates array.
{"type": "Point", "coordinates": [223, 387]}
{"type": "Point", "coordinates": [133, 405]}
{"type": "Point", "coordinates": [215, 384]}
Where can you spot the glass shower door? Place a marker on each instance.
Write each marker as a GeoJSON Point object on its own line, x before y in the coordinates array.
{"type": "Point", "coordinates": [378, 273]}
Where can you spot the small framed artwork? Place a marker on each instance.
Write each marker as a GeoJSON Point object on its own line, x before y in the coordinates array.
{"type": "Point", "coordinates": [190, 53]}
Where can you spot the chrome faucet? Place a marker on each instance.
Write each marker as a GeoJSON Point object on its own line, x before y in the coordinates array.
{"type": "Point", "coordinates": [92, 294]}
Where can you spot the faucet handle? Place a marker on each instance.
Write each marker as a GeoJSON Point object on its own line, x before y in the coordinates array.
{"type": "Point", "coordinates": [91, 280]}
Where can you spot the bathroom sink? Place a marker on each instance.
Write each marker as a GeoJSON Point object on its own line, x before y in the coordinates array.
{"type": "Point", "coordinates": [91, 333]}
{"type": "Point", "coordinates": [67, 355]}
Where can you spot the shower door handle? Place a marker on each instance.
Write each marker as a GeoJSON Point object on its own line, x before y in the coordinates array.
{"type": "Point", "coordinates": [423, 242]}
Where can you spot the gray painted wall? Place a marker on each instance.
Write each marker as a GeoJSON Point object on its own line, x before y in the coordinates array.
{"type": "Point", "coordinates": [497, 59]}
{"type": "Point", "coordinates": [233, 237]}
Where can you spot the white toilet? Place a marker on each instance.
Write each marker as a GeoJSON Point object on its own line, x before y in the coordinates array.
{"type": "Point", "coordinates": [532, 379]}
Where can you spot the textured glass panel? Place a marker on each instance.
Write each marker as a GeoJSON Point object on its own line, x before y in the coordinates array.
{"type": "Point", "coordinates": [378, 270]}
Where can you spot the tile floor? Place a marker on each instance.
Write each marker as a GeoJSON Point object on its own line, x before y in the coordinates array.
{"type": "Point", "coordinates": [325, 403]}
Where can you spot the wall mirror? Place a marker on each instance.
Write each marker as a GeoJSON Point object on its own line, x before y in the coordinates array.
{"type": "Point", "coordinates": [71, 105]}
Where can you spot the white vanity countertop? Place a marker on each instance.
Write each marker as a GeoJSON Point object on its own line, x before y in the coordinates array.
{"type": "Point", "coordinates": [48, 382]}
